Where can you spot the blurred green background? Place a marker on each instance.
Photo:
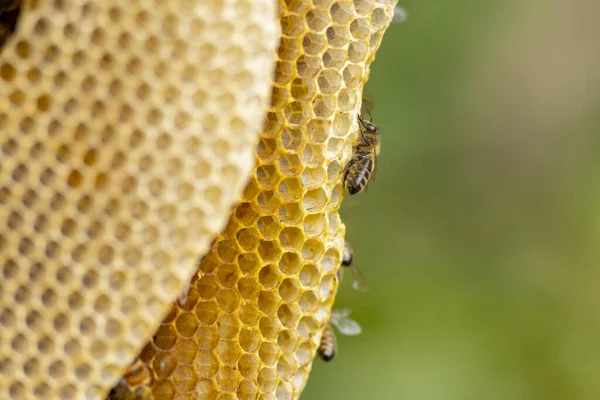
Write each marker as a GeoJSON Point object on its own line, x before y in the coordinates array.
{"type": "Point", "coordinates": [480, 236]}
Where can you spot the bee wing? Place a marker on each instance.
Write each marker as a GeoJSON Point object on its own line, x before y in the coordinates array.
{"type": "Point", "coordinates": [345, 325]}
{"type": "Point", "coordinates": [340, 313]}
{"type": "Point", "coordinates": [360, 283]}
{"type": "Point", "coordinates": [367, 105]}
{"type": "Point", "coordinates": [400, 15]}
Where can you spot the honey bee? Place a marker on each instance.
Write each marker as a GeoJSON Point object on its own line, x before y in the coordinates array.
{"type": "Point", "coordinates": [362, 165]}
{"type": "Point", "coordinates": [327, 347]}
{"type": "Point", "coordinates": [135, 384]}
{"type": "Point", "coordinates": [339, 318]}
{"type": "Point", "coordinates": [360, 283]}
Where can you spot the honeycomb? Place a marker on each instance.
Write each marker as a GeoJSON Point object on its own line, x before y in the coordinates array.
{"type": "Point", "coordinates": [249, 324]}
{"type": "Point", "coordinates": [128, 134]}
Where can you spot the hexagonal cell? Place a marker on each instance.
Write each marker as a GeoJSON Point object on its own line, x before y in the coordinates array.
{"type": "Point", "coordinates": [248, 365]}
{"type": "Point", "coordinates": [313, 177]}
{"type": "Point", "coordinates": [334, 171]}
{"type": "Point", "coordinates": [207, 287]}
{"type": "Point", "coordinates": [308, 66]}
{"type": "Point", "coordinates": [247, 390]}
{"type": "Point", "coordinates": [290, 189]}
{"type": "Point", "coordinates": [318, 130]}
{"type": "Point", "coordinates": [163, 365]}
{"type": "Point", "coordinates": [207, 312]}
{"type": "Point", "coordinates": [317, 20]}
{"type": "Point", "coordinates": [289, 164]}
{"type": "Point", "coordinates": [358, 51]}
{"type": "Point", "coordinates": [268, 302]}
{"type": "Point", "coordinates": [287, 365]}
{"type": "Point", "coordinates": [289, 49]}
{"type": "Point", "coordinates": [324, 106]}
{"type": "Point", "coordinates": [207, 338]}
{"type": "Point", "coordinates": [329, 81]}
{"type": "Point", "coordinates": [269, 277]}
{"type": "Point", "coordinates": [229, 351]}
{"type": "Point", "coordinates": [334, 223]}
{"type": "Point", "coordinates": [289, 290]}
{"type": "Point", "coordinates": [269, 251]}
{"type": "Point", "coordinates": [313, 43]}
{"type": "Point", "coordinates": [284, 391]}
{"type": "Point", "coordinates": [248, 239]}
{"type": "Point", "coordinates": [297, 113]}
{"type": "Point", "coordinates": [312, 250]}
{"type": "Point", "coordinates": [279, 97]}
{"type": "Point", "coordinates": [341, 12]}
{"type": "Point", "coordinates": [284, 72]}
{"type": "Point", "coordinates": [292, 25]}
{"type": "Point", "coordinates": [250, 339]}
{"type": "Point", "coordinates": [228, 300]}
{"type": "Point", "coordinates": [269, 327]}
{"type": "Point", "coordinates": [314, 226]}
{"type": "Point", "coordinates": [249, 288]}
{"type": "Point", "coordinates": [363, 7]}
{"type": "Point", "coordinates": [268, 202]}
{"type": "Point", "coordinates": [249, 264]}
{"type": "Point", "coordinates": [268, 227]}
{"type": "Point", "coordinates": [289, 314]}
{"type": "Point", "coordinates": [338, 36]}
{"type": "Point", "coordinates": [266, 151]}
{"type": "Point", "coordinates": [165, 337]}
{"type": "Point", "coordinates": [227, 378]}
{"type": "Point", "coordinates": [186, 324]}
{"type": "Point", "coordinates": [228, 275]}
{"type": "Point", "coordinates": [249, 313]}
{"type": "Point", "coordinates": [314, 200]}
{"type": "Point", "coordinates": [353, 75]}
{"type": "Point", "coordinates": [335, 145]}
{"type": "Point", "coordinates": [292, 139]}
{"type": "Point", "coordinates": [303, 89]}
{"type": "Point", "coordinates": [331, 260]}
{"type": "Point", "coordinates": [309, 276]}
{"type": "Point", "coordinates": [206, 365]}
{"type": "Point", "coordinates": [273, 125]}
{"type": "Point", "coordinates": [291, 238]}
{"type": "Point", "coordinates": [185, 351]}
{"type": "Point", "coordinates": [267, 379]}
{"type": "Point", "coordinates": [185, 378]}
{"type": "Point", "coordinates": [327, 286]}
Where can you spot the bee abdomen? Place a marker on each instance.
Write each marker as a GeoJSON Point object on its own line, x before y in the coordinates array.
{"type": "Point", "coordinates": [326, 350]}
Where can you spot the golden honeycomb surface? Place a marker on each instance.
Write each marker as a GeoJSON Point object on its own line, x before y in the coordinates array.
{"type": "Point", "coordinates": [249, 324]}
{"type": "Point", "coordinates": [128, 131]}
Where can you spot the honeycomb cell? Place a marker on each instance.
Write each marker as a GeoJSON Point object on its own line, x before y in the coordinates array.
{"type": "Point", "coordinates": [247, 390]}
{"type": "Point", "coordinates": [318, 20]}
{"type": "Point", "coordinates": [206, 365]}
{"type": "Point", "coordinates": [288, 315]}
{"type": "Point", "coordinates": [289, 290]}
{"type": "Point", "coordinates": [227, 379]}
{"type": "Point", "coordinates": [228, 351]}
{"type": "Point", "coordinates": [229, 326]}
{"type": "Point", "coordinates": [267, 380]}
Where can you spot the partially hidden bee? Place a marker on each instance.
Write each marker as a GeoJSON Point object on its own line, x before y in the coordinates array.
{"type": "Point", "coordinates": [327, 347]}
{"type": "Point", "coordinates": [135, 384]}
{"type": "Point", "coordinates": [364, 157]}
{"type": "Point", "coordinates": [360, 283]}
{"type": "Point", "coordinates": [340, 319]}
